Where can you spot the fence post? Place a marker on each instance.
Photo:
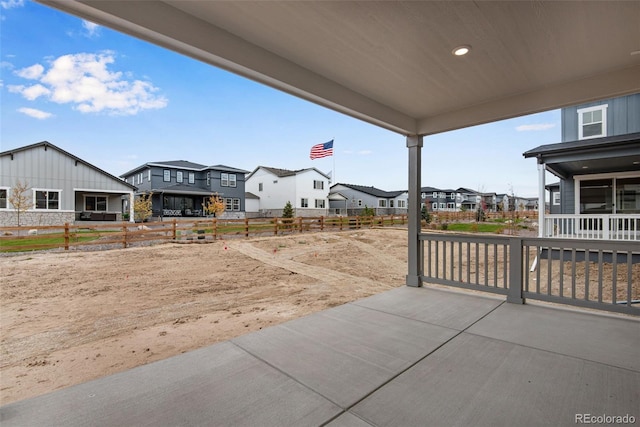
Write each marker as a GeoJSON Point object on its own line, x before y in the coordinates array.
{"type": "Point", "coordinates": [321, 223]}
{"type": "Point", "coordinates": [246, 227]}
{"type": "Point", "coordinates": [515, 271]}
{"type": "Point", "coordinates": [275, 226]}
{"type": "Point", "coordinates": [66, 236]}
{"type": "Point", "coordinates": [340, 223]}
{"type": "Point", "coordinates": [174, 232]}
{"type": "Point", "coordinates": [214, 222]}
{"type": "Point", "coordinates": [124, 235]}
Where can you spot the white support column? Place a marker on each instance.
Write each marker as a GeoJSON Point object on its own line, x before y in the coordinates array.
{"type": "Point", "coordinates": [541, 198]}
{"type": "Point", "coordinates": [131, 211]}
{"type": "Point", "coordinates": [416, 259]}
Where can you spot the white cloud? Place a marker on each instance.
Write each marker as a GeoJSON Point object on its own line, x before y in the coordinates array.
{"type": "Point", "coordinates": [37, 114]}
{"type": "Point", "coordinates": [91, 29]}
{"type": "Point", "coordinates": [85, 81]}
{"type": "Point", "coordinates": [6, 64]}
{"type": "Point", "coordinates": [365, 152]}
{"type": "Point", "coordinates": [535, 127]}
{"type": "Point", "coordinates": [10, 4]}
{"type": "Point", "coordinates": [32, 73]}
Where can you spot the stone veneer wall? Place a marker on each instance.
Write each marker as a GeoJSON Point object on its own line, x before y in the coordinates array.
{"type": "Point", "coordinates": [31, 218]}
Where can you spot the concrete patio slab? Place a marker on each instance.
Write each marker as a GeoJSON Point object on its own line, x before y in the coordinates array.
{"type": "Point", "coordinates": [481, 381]}
{"type": "Point", "coordinates": [599, 337]}
{"type": "Point", "coordinates": [348, 420]}
{"type": "Point", "coordinates": [448, 308]}
{"type": "Point", "coordinates": [346, 352]}
{"type": "Point", "coordinates": [218, 385]}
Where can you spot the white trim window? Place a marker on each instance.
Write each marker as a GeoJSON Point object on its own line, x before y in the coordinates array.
{"type": "Point", "coordinates": [382, 203]}
{"type": "Point", "coordinates": [46, 199]}
{"type": "Point", "coordinates": [319, 203]}
{"type": "Point", "coordinates": [208, 179]}
{"type": "Point", "coordinates": [95, 203]}
{"type": "Point", "coordinates": [166, 175]}
{"type": "Point", "coordinates": [391, 203]}
{"type": "Point", "coordinates": [592, 122]}
{"type": "Point", "coordinates": [451, 206]}
{"type": "Point", "coordinates": [359, 203]}
{"type": "Point", "coordinates": [434, 206]}
{"type": "Point", "coordinates": [435, 194]}
{"type": "Point", "coordinates": [556, 198]}
{"type": "Point", "coordinates": [4, 197]}
{"type": "Point", "coordinates": [402, 204]}
{"type": "Point", "coordinates": [232, 180]}
{"type": "Point", "coordinates": [236, 204]}
{"type": "Point", "coordinates": [304, 203]}
{"type": "Point", "coordinates": [192, 178]}
{"type": "Point", "coordinates": [149, 175]}
{"type": "Point", "coordinates": [224, 180]}
{"type": "Point", "coordinates": [442, 206]}
{"type": "Point", "coordinates": [179, 176]}
{"type": "Point", "coordinates": [228, 204]}
{"type": "Point", "coordinates": [318, 185]}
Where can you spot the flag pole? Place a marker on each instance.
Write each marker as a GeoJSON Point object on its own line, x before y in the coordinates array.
{"type": "Point", "coordinates": [333, 173]}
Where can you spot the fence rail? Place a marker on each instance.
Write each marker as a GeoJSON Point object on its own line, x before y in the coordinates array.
{"type": "Point", "coordinates": [587, 273]}
{"type": "Point", "coordinates": [124, 234]}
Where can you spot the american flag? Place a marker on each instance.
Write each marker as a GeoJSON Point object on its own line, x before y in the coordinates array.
{"type": "Point", "coordinates": [322, 150]}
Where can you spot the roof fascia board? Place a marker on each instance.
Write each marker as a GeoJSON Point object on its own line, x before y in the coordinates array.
{"type": "Point", "coordinates": [607, 85]}
{"type": "Point", "coordinates": [162, 24]}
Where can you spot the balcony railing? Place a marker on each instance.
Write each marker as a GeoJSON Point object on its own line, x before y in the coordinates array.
{"type": "Point", "coordinates": [599, 227]}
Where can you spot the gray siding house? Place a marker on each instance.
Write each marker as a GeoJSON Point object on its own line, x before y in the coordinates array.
{"type": "Point", "coordinates": [349, 199]}
{"type": "Point", "coordinates": [179, 188]}
{"type": "Point", "coordinates": [598, 163]}
{"type": "Point", "coordinates": [61, 187]}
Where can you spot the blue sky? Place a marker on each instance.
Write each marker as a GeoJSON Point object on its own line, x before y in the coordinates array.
{"type": "Point", "coordinates": [118, 102]}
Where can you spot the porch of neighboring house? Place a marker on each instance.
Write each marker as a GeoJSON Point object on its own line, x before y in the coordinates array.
{"type": "Point", "coordinates": [599, 192]}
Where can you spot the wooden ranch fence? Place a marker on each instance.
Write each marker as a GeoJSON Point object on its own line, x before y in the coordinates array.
{"type": "Point", "coordinates": [13, 239]}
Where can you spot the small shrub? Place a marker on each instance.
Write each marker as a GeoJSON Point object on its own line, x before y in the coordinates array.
{"type": "Point", "coordinates": [444, 226]}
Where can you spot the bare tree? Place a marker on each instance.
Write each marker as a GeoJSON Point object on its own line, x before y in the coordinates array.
{"type": "Point", "coordinates": [20, 201]}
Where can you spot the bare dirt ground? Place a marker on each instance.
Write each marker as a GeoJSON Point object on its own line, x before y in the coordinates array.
{"type": "Point", "coordinates": [71, 317]}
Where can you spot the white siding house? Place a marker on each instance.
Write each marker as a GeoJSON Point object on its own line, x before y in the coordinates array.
{"type": "Point", "coordinates": [306, 189]}
{"type": "Point", "coordinates": [61, 187]}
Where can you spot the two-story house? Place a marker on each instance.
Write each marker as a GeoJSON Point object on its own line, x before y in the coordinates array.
{"type": "Point", "coordinates": [181, 188]}
{"type": "Point", "coordinates": [60, 187]}
{"type": "Point", "coordinates": [437, 200]}
{"type": "Point", "coordinates": [306, 189]}
{"type": "Point", "coordinates": [598, 163]}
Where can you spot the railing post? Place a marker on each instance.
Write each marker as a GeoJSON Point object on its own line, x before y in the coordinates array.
{"type": "Point", "coordinates": [66, 236]}
{"type": "Point", "coordinates": [515, 271]}
{"type": "Point", "coordinates": [605, 226]}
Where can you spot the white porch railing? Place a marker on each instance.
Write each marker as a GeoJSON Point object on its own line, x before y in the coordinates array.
{"type": "Point", "coordinates": [604, 227]}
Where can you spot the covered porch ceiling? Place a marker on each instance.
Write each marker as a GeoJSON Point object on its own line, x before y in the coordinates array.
{"type": "Point", "coordinates": [391, 63]}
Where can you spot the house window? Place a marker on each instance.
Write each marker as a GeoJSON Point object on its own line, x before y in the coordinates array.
{"type": "Point", "coordinates": [228, 204]}
{"type": "Point", "coordinates": [232, 180]}
{"type": "Point", "coordinates": [95, 203]}
{"type": "Point", "coordinates": [224, 179]}
{"type": "Point", "coordinates": [434, 206]}
{"type": "Point", "coordinates": [236, 204]}
{"type": "Point", "coordinates": [166, 175]}
{"type": "Point", "coordinates": [304, 203]}
{"type": "Point", "coordinates": [192, 178]}
{"type": "Point", "coordinates": [435, 194]}
{"type": "Point", "coordinates": [359, 203]}
{"type": "Point", "coordinates": [208, 179]}
{"type": "Point", "coordinates": [319, 203]}
{"type": "Point", "coordinates": [3, 198]}
{"type": "Point", "coordinates": [451, 206]}
{"type": "Point", "coordinates": [318, 185]}
{"type": "Point", "coordinates": [382, 203]}
{"type": "Point", "coordinates": [149, 175]}
{"type": "Point", "coordinates": [259, 186]}
{"type": "Point", "coordinates": [441, 206]}
{"type": "Point", "coordinates": [556, 198]}
{"type": "Point", "coordinates": [179, 176]}
{"type": "Point", "coordinates": [452, 196]}
{"type": "Point", "coordinates": [390, 203]}
{"type": "Point", "coordinates": [402, 204]}
{"type": "Point", "coordinates": [592, 122]}
{"type": "Point", "coordinates": [47, 199]}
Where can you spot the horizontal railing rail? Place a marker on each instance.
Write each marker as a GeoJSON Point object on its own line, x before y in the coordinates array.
{"type": "Point", "coordinates": [597, 274]}
{"type": "Point", "coordinates": [606, 226]}
{"type": "Point", "coordinates": [112, 235]}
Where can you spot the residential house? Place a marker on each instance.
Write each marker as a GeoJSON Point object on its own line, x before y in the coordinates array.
{"type": "Point", "coordinates": [437, 200]}
{"type": "Point", "coordinates": [306, 189]}
{"type": "Point", "coordinates": [598, 163]}
{"type": "Point", "coordinates": [351, 200]}
{"type": "Point", "coordinates": [469, 200]}
{"type": "Point", "coordinates": [180, 188]}
{"type": "Point", "coordinates": [62, 188]}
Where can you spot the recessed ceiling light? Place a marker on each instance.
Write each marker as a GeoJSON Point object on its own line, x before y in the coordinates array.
{"type": "Point", "coordinates": [461, 50]}
{"type": "Point", "coordinates": [636, 163]}
{"type": "Point", "coordinates": [635, 52]}
{"type": "Point", "coordinates": [585, 167]}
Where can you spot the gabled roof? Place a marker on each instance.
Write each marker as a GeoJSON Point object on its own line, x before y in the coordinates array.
{"type": "Point", "coordinates": [248, 195]}
{"type": "Point", "coordinates": [47, 145]}
{"type": "Point", "coordinates": [283, 173]}
{"type": "Point", "coordinates": [225, 168]}
{"type": "Point", "coordinates": [373, 191]}
{"type": "Point", "coordinates": [184, 164]}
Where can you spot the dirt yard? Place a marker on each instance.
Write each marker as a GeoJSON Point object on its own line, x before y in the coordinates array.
{"type": "Point", "coordinates": [70, 317]}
